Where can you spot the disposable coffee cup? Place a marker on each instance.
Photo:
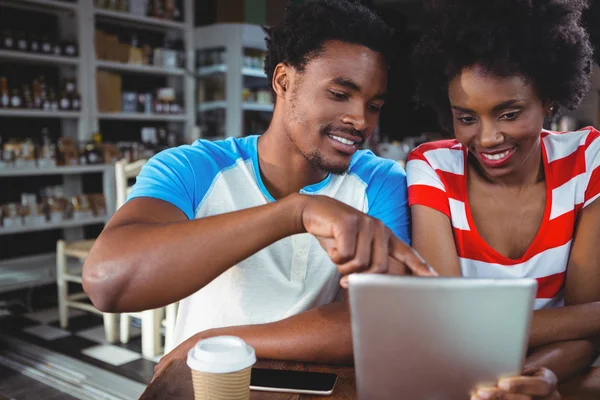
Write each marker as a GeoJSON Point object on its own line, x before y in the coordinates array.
{"type": "Point", "coordinates": [221, 368]}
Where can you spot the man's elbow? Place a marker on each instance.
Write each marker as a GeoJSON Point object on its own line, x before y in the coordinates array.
{"type": "Point", "coordinates": [100, 286]}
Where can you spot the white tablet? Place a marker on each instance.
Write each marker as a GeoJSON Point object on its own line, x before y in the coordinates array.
{"type": "Point", "coordinates": [437, 338]}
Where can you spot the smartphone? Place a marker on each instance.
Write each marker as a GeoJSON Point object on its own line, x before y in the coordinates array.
{"type": "Point", "coordinates": [303, 382]}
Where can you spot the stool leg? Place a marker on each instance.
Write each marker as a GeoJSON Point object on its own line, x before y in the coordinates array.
{"type": "Point", "coordinates": [110, 327]}
{"type": "Point", "coordinates": [170, 318]}
{"type": "Point", "coordinates": [62, 284]}
{"type": "Point", "coordinates": [151, 332]}
{"type": "Point", "coordinates": [124, 325]}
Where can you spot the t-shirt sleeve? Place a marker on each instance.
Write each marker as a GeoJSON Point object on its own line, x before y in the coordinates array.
{"type": "Point", "coordinates": [169, 176]}
{"type": "Point", "coordinates": [390, 204]}
{"type": "Point", "coordinates": [425, 186]}
{"type": "Point", "coordinates": [592, 160]}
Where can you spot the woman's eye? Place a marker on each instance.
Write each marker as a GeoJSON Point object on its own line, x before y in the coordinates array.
{"type": "Point", "coordinates": [510, 116]}
{"type": "Point", "coordinates": [374, 108]}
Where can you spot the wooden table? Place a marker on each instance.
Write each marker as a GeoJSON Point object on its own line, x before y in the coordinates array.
{"type": "Point", "coordinates": [175, 383]}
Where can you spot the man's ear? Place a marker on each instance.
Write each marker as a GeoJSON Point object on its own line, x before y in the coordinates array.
{"type": "Point", "coordinates": [281, 80]}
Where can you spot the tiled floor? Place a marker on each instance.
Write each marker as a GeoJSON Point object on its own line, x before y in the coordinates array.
{"type": "Point", "coordinates": [84, 340]}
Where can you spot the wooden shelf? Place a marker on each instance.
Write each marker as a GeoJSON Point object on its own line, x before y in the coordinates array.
{"type": "Point", "coordinates": [258, 107]}
{"type": "Point", "coordinates": [46, 5]}
{"type": "Point", "coordinates": [143, 117]}
{"type": "Point", "coordinates": [70, 170]}
{"type": "Point", "coordinates": [141, 69]}
{"type": "Point", "coordinates": [71, 223]}
{"type": "Point", "coordinates": [211, 105]}
{"type": "Point", "coordinates": [25, 113]}
{"type": "Point", "coordinates": [216, 105]}
{"type": "Point", "coordinates": [255, 72]}
{"type": "Point", "coordinates": [221, 68]}
{"type": "Point", "coordinates": [119, 16]}
{"type": "Point", "coordinates": [37, 58]}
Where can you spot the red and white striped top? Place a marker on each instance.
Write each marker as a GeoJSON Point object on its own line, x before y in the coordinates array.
{"type": "Point", "coordinates": [436, 174]}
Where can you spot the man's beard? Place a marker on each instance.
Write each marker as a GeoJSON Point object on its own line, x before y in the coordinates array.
{"type": "Point", "coordinates": [318, 161]}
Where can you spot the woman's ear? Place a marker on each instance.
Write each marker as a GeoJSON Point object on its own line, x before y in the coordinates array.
{"type": "Point", "coordinates": [549, 108]}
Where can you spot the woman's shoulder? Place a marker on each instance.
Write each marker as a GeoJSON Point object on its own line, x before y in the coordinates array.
{"type": "Point", "coordinates": [441, 155]}
{"type": "Point", "coordinates": [562, 144]}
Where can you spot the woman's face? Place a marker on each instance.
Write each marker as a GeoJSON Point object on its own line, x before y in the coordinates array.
{"type": "Point", "coordinates": [498, 119]}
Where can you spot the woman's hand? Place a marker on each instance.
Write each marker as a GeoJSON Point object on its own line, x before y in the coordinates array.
{"type": "Point", "coordinates": [534, 384]}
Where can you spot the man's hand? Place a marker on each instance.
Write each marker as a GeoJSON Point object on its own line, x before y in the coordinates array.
{"type": "Point", "coordinates": [179, 353]}
{"type": "Point", "coordinates": [356, 242]}
{"type": "Point", "coordinates": [534, 384]}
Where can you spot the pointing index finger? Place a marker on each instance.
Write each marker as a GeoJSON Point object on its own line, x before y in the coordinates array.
{"type": "Point", "coordinates": [409, 257]}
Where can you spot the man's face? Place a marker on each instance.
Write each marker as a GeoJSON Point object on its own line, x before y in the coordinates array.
{"type": "Point", "coordinates": [333, 105]}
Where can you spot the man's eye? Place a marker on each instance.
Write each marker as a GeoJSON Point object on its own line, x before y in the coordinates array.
{"type": "Point", "coordinates": [466, 120]}
{"type": "Point", "coordinates": [338, 95]}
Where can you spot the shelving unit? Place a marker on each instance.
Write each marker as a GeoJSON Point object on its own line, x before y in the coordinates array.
{"type": "Point", "coordinates": [233, 38]}
{"type": "Point", "coordinates": [119, 17]}
{"type": "Point", "coordinates": [215, 105]}
{"type": "Point", "coordinates": [176, 77]}
{"type": "Point", "coordinates": [143, 117]}
{"type": "Point", "coordinates": [141, 69]}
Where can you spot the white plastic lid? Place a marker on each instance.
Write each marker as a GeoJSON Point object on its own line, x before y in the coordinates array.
{"type": "Point", "coordinates": [221, 355]}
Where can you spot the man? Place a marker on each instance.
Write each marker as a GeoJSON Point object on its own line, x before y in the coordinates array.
{"type": "Point", "coordinates": [249, 231]}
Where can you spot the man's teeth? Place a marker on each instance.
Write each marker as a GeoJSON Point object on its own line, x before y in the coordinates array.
{"type": "Point", "coordinates": [496, 157]}
{"type": "Point", "coordinates": [342, 140]}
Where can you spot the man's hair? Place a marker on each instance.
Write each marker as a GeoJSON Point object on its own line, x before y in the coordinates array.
{"type": "Point", "coordinates": [306, 27]}
{"type": "Point", "coordinates": [541, 40]}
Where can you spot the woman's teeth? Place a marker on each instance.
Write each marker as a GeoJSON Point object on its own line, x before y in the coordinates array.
{"type": "Point", "coordinates": [342, 140]}
{"type": "Point", "coordinates": [498, 156]}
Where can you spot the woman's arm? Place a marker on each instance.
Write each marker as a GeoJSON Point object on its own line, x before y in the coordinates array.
{"type": "Point", "coordinates": [582, 292]}
{"type": "Point", "coordinates": [432, 238]}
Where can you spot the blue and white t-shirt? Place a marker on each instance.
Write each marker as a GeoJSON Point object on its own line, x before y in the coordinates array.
{"type": "Point", "coordinates": [290, 276]}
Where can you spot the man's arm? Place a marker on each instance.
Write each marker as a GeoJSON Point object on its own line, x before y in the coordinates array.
{"type": "Point", "coordinates": [149, 256]}
{"type": "Point", "coordinates": [319, 335]}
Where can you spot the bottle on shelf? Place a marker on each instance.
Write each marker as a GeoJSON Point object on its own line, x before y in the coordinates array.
{"type": "Point", "coordinates": [53, 100]}
{"type": "Point", "coordinates": [46, 104]}
{"type": "Point", "coordinates": [22, 44]}
{"type": "Point", "coordinates": [69, 48]}
{"type": "Point", "coordinates": [27, 97]}
{"type": "Point", "coordinates": [47, 154]}
{"type": "Point", "coordinates": [8, 40]}
{"type": "Point", "coordinates": [47, 46]}
{"type": "Point", "coordinates": [15, 99]}
{"type": "Point", "coordinates": [34, 43]}
{"type": "Point", "coordinates": [4, 94]}
{"type": "Point", "coordinates": [76, 101]}
{"type": "Point", "coordinates": [64, 101]}
{"type": "Point", "coordinates": [37, 94]}
{"type": "Point", "coordinates": [57, 48]}
{"type": "Point", "coordinates": [155, 9]}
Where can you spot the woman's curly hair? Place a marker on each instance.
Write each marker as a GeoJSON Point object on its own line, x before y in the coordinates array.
{"type": "Point", "coordinates": [306, 27]}
{"type": "Point", "coordinates": [541, 40]}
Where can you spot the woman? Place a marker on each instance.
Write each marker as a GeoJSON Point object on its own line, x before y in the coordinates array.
{"type": "Point", "coordinates": [506, 198]}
